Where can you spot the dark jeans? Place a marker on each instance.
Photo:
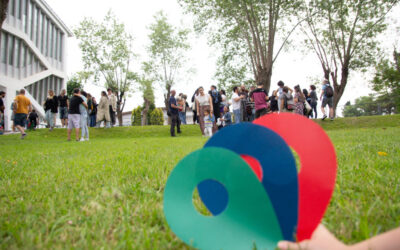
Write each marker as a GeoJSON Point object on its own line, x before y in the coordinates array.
{"type": "Point", "coordinates": [261, 112]}
{"type": "Point", "coordinates": [92, 120]}
{"type": "Point", "coordinates": [112, 115]}
{"type": "Point", "coordinates": [314, 110]}
{"type": "Point", "coordinates": [175, 121]}
{"type": "Point", "coordinates": [195, 118]}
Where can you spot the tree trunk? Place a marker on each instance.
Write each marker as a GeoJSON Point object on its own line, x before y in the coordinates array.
{"type": "Point", "coordinates": [264, 76]}
{"type": "Point", "coordinates": [166, 101]}
{"type": "Point", "coordinates": [119, 116]}
{"type": "Point", "coordinates": [339, 88]}
{"type": "Point", "coordinates": [145, 112]}
{"type": "Point", "coordinates": [3, 13]}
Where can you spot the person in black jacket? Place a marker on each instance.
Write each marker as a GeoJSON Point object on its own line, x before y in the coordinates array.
{"type": "Point", "coordinates": [51, 106]}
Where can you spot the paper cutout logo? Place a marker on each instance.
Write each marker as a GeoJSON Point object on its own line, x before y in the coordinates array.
{"type": "Point", "coordinates": [247, 178]}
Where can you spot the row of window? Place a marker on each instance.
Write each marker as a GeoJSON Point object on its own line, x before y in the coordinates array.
{"type": "Point", "coordinates": [38, 90]}
{"type": "Point", "coordinates": [17, 60]}
{"type": "Point", "coordinates": [36, 24]}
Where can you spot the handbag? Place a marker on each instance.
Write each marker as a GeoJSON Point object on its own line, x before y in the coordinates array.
{"type": "Point", "coordinates": [307, 106]}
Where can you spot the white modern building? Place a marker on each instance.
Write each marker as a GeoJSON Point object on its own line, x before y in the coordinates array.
{"type": "Point", "coordinates": [32, 53]}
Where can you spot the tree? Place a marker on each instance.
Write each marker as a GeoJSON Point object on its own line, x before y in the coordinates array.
{"type": "Point", "coordinates": [342, 33]}
{"type": "Point", "coordinates": [107, 56]}
{"type": "Point", "coordinates": [73, 83]}
{"type": "Point", "coordinates": [247, 32]}
{"type": "Point", "coordinates": [167, 47]}
{"type": "Point", "coordinates": [146, 86]}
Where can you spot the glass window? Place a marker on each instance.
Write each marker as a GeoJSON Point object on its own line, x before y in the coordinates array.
{"type": "Point", "coordinates": [10, 50]}
{"type": "Point", "coordinates": [56, 44]}
{"type": "Point", "coordinates": [61, 47]}
{"type": "Point", "coordinates": [38, 26]}
{"type": "Point", "coordinates": [3, 47]}
{"type": "Point", "coordinates": [17, 52]}
{"type": "Point", "coordinates": [17, 9]}
{"type": "Point", "coordinates": [23, 55]}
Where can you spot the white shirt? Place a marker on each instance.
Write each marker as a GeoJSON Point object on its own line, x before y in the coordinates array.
{"type": "Point", "coordinates": [203, 100]}
{"type": "Point", "coordinates": [235, 105]}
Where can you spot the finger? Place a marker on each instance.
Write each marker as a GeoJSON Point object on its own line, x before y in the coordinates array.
{"type": "Point", "coordinates": [287, 245]}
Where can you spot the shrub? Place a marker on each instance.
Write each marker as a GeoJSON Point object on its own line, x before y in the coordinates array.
{"type": "Point", "coordinates": [157, 117]}
{"type": "Point", "coordinates": [137, 116]}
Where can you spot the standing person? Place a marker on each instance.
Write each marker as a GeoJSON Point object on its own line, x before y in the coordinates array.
{"type": "Point", "coordinates": [33, 119]}
{"type": "Point", "coordinates": [216, 100]}
{"type": "Point", "coordinates": [63, 103]}
{"type": "Point", "coordinates": [174, 110]}
{"type": "Point", "coordinates": [74, 115]}
{"type": "Point", "coordinates": [103, 111]}
{"type": "Point", "coordinates": [209, 121]}
{"type": "Point", "coordinates": [307, 113]}
{"type": "Point", "coordinates": [313, 101]}
{"type": "Point", "coordinates": [92, 120]}
{"type": "Point", "coordinates": [112, 106]}
{"type": "Point", "coordinates": [2, 108]}
{"type": "Point", "coordinates": [194, 107]}
{"type": "Point", "coordinates": [22, 106]}
{"type": "Point", "coordinates": [51, 106]}
{"type": "Point", "coordinates": [224, 101]}
{"type": "Point", "coordinates": [260, 97]}
{"type": "Point", "coordinates": [243, 103]}
{"type": "Point", "coordinates": [281, 84]}
{"type": "Point", "coordinates": [182, 111]}
{"type": "Point", "coordinates": [299, 100]}
{"type": "Point", "coordinates": [274, 107]}
{"type": "Point", "coordinates": [286, 100]}
{"type": "Point", "coordinates": [227, 117]}
{"type": "Point", "coordinates": [83, 109]}
{"type": "Point", "coordinates": [327, 99]}
{"type": "Point", "coordinates": [203, 102]}
{"type": "Point", "coordinates": [236, 104]}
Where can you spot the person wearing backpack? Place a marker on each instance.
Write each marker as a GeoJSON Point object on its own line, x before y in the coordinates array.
{"type": "Point", "coordinates": [327, 99]}
{"type": "Point", "coordinates": [286, 100]}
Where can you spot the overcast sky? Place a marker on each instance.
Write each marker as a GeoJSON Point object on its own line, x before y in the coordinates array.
{"type": "Point", "coordinates": [292, 66]}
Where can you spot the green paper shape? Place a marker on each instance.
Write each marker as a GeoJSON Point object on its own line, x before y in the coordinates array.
{"type": "Point", "coordinates": [249, 220]}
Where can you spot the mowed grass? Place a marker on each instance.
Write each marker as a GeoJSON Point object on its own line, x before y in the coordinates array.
{"type": "Point", "coordinates": [108, 192]}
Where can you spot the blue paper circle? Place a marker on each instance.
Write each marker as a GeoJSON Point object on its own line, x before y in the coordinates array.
{"type": "Point", "coordinates": [278, 165]}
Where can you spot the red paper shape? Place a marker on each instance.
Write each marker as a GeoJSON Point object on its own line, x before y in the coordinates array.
{"type": "Point", "coordinates": [318, 166]}
{"type": "Point", "coordinates": [254, 165]}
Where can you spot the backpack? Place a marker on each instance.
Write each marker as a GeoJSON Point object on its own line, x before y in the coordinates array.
{"type": "Point", "coordinates": [328, 91]}
{"type": "Point", "coordinates": [289, 102]}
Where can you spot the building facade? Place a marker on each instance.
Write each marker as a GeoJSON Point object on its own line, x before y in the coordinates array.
{"type": "Point", "coordinates": [32, 53]}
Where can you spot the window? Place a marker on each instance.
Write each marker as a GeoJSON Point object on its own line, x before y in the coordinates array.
{"type": "Point", "coordinates": [17, 9]}
{"type": "Point", "coordinates": [61, 47]}
{"type": "Point", "coordinates": [11, 8]}
{"type": "Point", "coordinates": [38, 27]}
{"type": "Point", "coordinates": [17, 52]}
{"type": "Point", "coordinates": [3, 45]}
{"type": "Point", "coordinates": [23, 55]}
{"type": "Point", "coordinates": [10, 50]}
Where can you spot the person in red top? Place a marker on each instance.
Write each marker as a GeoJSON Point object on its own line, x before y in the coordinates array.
{"type": "Point", "coordinates": [260, 97]}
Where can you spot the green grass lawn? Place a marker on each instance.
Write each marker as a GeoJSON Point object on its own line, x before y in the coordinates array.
{"type": "Point", "coordinates": [107, 193]}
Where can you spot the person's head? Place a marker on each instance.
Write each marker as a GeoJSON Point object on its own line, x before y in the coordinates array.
{"type": "Point", "coordinates": [297, 89]}
{"type": "Point", "coordinates": [109, 91]}
{"type": "Point", "coordinates": [184, 97]}
{"type": "Point", "coordinates": [252, 88]}
{"type": "Point", "coordinates": [77, 91]}
{"type": "Point", "coordinates": [83, 93]}
{"type": "Point", "coordinates": [89, 96]}
{"type": "Point", "coordinates": [260, 85]}
{"type": "Point", "coordinates": [94, 99]}
{"type": "Point", "coordinates": [213, 87]}
{"type": "Point", "coordinates": [281, 84]}
{"type": "Point", "coordinates": [2, 94]}
{"type": "Point", "coordinates": [226, 109]}
{"type": "Point", "coordinates": [206, 112]}
{"type": "Point", "coordinates": [63, 92]}
{"type": "Point", "coordinates": [201, 91]}
{"type": "Point", "coordinates": [243, 88]}
{"type": "Point", "coordinates": [285, 89]}
{"type": "Point", "coordinates": [305, 92]}
{"type": "Point", "coordinates": [22, 92]}
{"type": "Point", "coordinates": [236, 89]}
{"type": "Point", "coordinates": [51, 92]}
{"type": "Point", "coordinates": [173, 92]}
{"type": "Point", "coordinates": [103, 93]}
{"type": "Point", "coordinates": [180, 94]}
{"type": "Point", "coordinates": [312, 87]}
{"type": "Point", "coordinates": [222, 92]}
{"type": "Point", "coordinates": [326, 81]}
{"type": "Point", "coordinates": [33, 111]}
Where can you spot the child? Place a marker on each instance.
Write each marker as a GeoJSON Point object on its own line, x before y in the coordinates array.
{"type": "Point", "coordinates": [208, 123]}
{"type": "Point", "coordinates": [33, 119]}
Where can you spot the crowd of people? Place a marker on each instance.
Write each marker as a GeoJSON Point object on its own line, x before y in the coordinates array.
{"type": "Point", "coordinates": [76, 113]}
{"type": "Point", "coordinates": [211, 110]}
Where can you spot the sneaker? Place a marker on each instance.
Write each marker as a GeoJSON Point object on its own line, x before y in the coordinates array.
{"type": "Point", "coordinates": [51, 129]}
{"type": "Point", "coordinates": [86, 139]}
{"type": "Point", "coordinates": [82, 139]}
{"type": "Point", "coordinates": [23, 136]}
{"type": "Point", "coordinates": [332, 119]}
{"type": "Point", "coordinates": [323, 118]}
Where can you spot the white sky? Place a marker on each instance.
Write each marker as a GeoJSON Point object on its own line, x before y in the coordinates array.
{"type": "Point", "coordinates": [292, 66]}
